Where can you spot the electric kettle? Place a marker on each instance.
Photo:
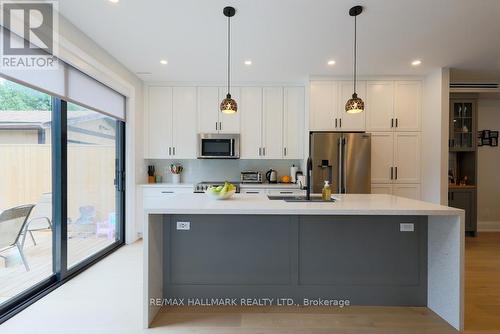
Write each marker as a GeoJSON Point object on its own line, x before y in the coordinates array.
{"type": "Point", "coordinates": [272, 176]}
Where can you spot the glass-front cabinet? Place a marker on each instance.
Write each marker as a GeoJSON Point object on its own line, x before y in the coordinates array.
{"type": "Point", "coordinates": [462, 125]}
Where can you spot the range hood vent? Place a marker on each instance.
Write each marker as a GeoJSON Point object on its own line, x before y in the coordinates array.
{"type": "Point", "coordinates": [475, 87]}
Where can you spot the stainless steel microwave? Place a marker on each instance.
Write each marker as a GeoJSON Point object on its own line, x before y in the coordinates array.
{"type": "Point", "coordinates": [218, 146]}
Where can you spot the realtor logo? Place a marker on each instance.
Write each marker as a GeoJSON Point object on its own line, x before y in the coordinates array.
{"type": "Point", "coordinates": [29, 35]}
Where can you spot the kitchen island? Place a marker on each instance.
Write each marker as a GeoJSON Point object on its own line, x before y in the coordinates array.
{"type": "Point", "coordinates": [377, 250]}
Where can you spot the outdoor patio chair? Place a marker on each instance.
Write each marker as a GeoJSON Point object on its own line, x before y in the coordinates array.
{"type": "Point", "coordinates": [40, 217]}
{"type": "Point", "coordinates": [12, 224]}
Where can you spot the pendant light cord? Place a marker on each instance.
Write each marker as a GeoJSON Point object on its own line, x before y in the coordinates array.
{"type": "Point", "coordinates": [228, 54]}
{"type": "Point", "coordinates": [355, 53]}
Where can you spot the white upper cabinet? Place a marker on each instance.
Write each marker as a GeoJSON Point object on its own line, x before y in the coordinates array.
{"type": "Point", "coordinates": [250, 109]}
{"type": "Point", "coordinates": [408, 105]}
{"type": "Point", "coordinates": [208, 109]}
{"type": "Point", "coordinates": [272, 125]}
{"type": "Point", "coordinates": [159, 122]}
{"type": "Point", "coordinates": [229, 123]}
{"type": "Point", "coordinates": [323, 104]}
{"type": "Point", "coordinates": [184, 134]}
{"type": "Point", "coordinates": [407, 157]}
{"type": "Point", "coordinates": [382, 157]}
{"type": "Point", "coordinates": [379, 105]}
{"type": "Point", "coordinates": [293, 123]}
{"type": "Point", "coordinates": [351, 122]}
{"type": "Point", "coordinates": [396, 157]}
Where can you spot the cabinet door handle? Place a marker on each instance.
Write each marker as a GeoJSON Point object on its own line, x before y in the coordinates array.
{"type": "Point", "coordinates": [173, 150]}
{"type": "Point", "coordinates": [216, 125]}
{"type": "Point", "coordinates": [392, 173]}
{"type": "Point", "coordinates": [170, 151]}
{"type": "Point", "coordinates": [396, 173]}
{"type": "Point", "coordinates": [264, 151]}
{"type": "Point", "coordinates": [392, 122]}
{"type": "Point", "coordinates": [260, 151]}
{"type": "Point", "coordinates": [396, 122]}
{"type": "Point", "coordinates": [220, 125]}
{"type": "Point", "coordinates": [335, 123]}
{"type": "Point", "coordinates": [284, 151]}
{"type": "Point", "coordinates": [340, 122]}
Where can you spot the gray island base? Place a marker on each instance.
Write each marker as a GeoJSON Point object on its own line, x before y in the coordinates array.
{"type": "Point", "coordinates": [250, 251]}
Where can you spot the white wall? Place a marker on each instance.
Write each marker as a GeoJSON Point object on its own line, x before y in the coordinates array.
{"type": "Point", "coordinates": [488, 190]}
{"type": "Point", "coordinates": [435, 118]}
{"type": "Point", "coordinates": [79, 50]}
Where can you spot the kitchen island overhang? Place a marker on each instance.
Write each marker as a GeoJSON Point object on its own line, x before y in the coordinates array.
{"type": "Point", "coordinates": [202, 261]}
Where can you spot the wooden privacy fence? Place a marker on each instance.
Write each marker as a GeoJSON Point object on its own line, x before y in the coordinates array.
{"type": "Point", "coordinates": [26, 173]}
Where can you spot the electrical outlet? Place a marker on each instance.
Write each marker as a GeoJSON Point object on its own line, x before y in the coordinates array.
{"type": "Point", "coordinates": [184, 226]}
{"type": "Point", "coordinates": [406, 227]}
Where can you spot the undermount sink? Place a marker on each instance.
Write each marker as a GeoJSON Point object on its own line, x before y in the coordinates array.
{"type": "Point", "coordinates": [314, 198]}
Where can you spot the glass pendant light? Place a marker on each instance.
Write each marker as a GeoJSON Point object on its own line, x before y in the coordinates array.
{"type": "Point", "coordinates": [355, 104]}
{"type": "Point", "coordinates": [229, 105]}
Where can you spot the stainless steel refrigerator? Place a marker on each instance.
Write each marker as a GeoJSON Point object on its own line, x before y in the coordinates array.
{"type": "Point", "coordinates": [344, 159]}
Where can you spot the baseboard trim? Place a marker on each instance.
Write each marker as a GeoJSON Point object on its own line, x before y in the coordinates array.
{"type": "Point", "coordinates": [488, 226]}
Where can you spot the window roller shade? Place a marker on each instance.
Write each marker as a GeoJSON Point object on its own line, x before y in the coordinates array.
{"type": "Point", "coordinates": [84, 90]}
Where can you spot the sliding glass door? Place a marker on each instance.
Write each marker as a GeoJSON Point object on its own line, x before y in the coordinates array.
{"type": "Point", "coordinates": [25, 189]}
{"type": "Point", "coordinates": [92, 160]}
{"type": "Point", "coordinates": [61, 192]}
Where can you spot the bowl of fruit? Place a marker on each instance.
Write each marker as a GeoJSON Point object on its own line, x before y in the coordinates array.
{"type": "Point", "coordinates": [221, 192]}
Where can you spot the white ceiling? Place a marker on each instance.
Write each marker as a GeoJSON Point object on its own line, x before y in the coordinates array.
{"type": "Point", "coordinates": [288, 40]}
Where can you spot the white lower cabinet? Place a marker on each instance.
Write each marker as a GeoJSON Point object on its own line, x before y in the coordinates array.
{"type": "Point", "coordinates": [411, 191]}
{"type": "Point", "coordinates": [154, 197]}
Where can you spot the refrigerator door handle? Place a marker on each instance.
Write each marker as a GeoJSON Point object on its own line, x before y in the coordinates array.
{"type": "Point", "coordinates": [344, 169]}
{"type": "Point", "coordinates": [340, 166]}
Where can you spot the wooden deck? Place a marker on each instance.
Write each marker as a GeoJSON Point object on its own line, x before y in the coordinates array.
{"type": "Point", "coordinates": [14, 278]}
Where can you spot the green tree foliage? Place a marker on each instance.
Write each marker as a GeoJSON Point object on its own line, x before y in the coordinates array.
{"type": "Point", "coordinates": [18, 97]}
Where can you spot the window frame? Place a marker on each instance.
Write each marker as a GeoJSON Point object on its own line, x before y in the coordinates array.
{"type": "Point", "coordinates": [61, 274]}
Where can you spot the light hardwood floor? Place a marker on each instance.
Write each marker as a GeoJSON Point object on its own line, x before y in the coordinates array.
{"type": "Point", "coordinates": [482, 284]}
{"type": "Point", "coordinates": [107, 298]}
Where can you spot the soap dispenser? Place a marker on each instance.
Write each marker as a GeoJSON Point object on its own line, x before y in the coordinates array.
{"type": "Point", "coordinates": [326, 194]}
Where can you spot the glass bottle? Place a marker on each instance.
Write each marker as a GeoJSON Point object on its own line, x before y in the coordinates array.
{"type": "Point", "coordinates": [326, 194]}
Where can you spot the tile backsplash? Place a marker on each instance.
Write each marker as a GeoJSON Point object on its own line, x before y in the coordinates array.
{"type": "Point", "coordinates": [219, 170]}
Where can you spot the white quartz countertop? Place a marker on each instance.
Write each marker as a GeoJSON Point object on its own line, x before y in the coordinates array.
{"type": "Point", "coordinates": [171, 185]}
{"type": "Point", "coordinates": [269, 186]}
{"type": "Point", "coordinates": [350, 204]}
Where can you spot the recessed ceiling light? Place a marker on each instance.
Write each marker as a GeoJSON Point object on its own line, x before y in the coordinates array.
{"type": "Point", "coordinates": [248, 62]}
{"type": "Point", "coordinates": [163, 62]}
{"type": "Point", "coordinates": [331, 62]}
{"type": "Point", "coordinates": [114, 1]}
{"type": "Point", "coordinates": [416, 62]}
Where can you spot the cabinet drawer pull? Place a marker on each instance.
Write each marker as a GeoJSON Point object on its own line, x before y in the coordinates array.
{"type": "Point", "coordinates": [286, 192]}
{"type": "Point", "coordinates": [167, 192]}
{"type": "Point", "coordinates": [251, 192]}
